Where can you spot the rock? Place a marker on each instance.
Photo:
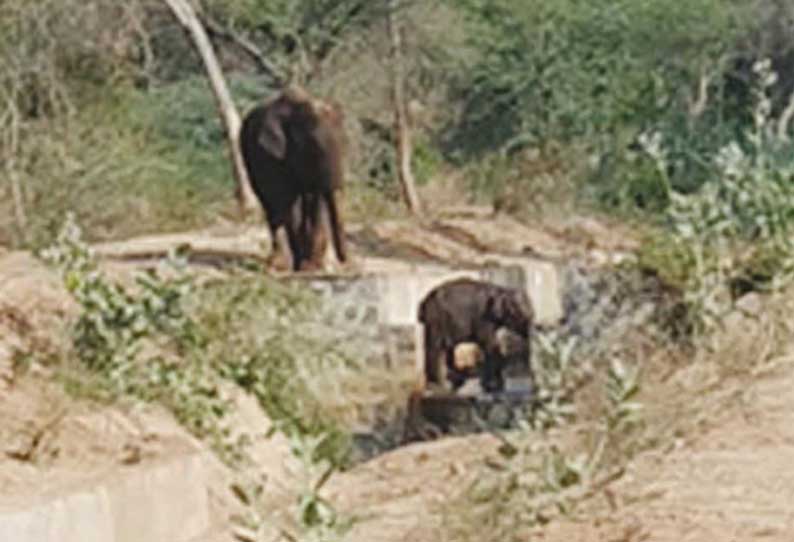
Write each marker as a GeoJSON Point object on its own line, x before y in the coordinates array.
{"type": "Point", "coordinates": [750, 304]}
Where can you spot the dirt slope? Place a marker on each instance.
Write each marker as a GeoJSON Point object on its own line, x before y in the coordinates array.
{"type": "Point", "coordinates": [51, 444]}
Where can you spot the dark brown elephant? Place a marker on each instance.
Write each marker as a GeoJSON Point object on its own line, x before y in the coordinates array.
{"type": "Point", "coordinates": [466, 310]}
{"type": "Point", "coordinates": [293, 147]}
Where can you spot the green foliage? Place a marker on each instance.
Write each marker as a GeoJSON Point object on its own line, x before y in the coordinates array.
{"type": "Point", "coordinates": [162, 339]}
{"type": "Point", "coordinates": [142, 344]}
{"type": "Point", "coordinates": [622, 387]}
{"type": "Point", "coordinates": [268, 351]}
{"type": "Point", "coordinates": [297, 35]}
{"type": "Point", "coordinates": [59, 54]}
{"type": "Point", "coordinates": [558, 375]}
{"type": "Point", "coordinates": [564, 69]}
{"type": "Point", "coordinates": [738, 225]}
{"type": "Point", "coordinates": [426, 160]}
{"type": "Point", "coordinates": [601, 73]}
{"type": "Point", "coordinates": [136, 163]}
{"type": "Point", "coordinates": [109, 115]}
{"type": "Point", "coordinates": [117, 177]}
{"type": "Point", "coordinates": [671, 261]}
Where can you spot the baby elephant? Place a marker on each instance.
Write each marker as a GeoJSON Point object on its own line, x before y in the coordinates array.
{"type": "Point", "coordinates": [467, 310]}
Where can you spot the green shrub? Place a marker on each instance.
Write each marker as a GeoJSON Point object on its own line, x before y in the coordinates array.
{"type": "Point", "coordinates": [736, 228]}
{"type": "Point", "coordinates": [165, 340]}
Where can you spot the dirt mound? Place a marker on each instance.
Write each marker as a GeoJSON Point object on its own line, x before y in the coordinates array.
{"type": "Point", "coordinates": [51, 444]}
{"type": "Point", "coordinates": [393, 495]}
{"type": "Point", "coordinates": [33, 304]}
{"type": "Point", "coordinates": [734, 482]}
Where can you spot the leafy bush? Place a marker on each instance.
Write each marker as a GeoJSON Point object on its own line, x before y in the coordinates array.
{"type": "Point", "coordinates": [298, 36]}
{"type": "Point", "coordinates": [737, 226]}
{"type": "Point", "coordinates": [142, 344]}
{"type": "Point", "coordinates": [602, 74]}
{"type": "Point", "coordinates": [563, 69]}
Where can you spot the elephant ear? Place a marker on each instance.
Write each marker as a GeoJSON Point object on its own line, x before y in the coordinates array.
{"type": "Point", "coordinates": [273, 137]}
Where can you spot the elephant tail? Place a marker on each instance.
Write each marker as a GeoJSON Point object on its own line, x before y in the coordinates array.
{"type": "Point", "coordinates": [337, 228]}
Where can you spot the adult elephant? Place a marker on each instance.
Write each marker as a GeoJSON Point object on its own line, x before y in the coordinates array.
{"type": "Point", "coordinates": [293, 147]}
{"type": "Point", "coordinates": [471, 311]}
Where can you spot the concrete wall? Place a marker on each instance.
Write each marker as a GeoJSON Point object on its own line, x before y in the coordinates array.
{"type": "Point", "coordinates": [401, 294]}
{"type": "Point", "coordinates": [166, 502]}
{"type": "Point", "coordinates": [392, 299]}
{"type": "Point", "coordinates": [377, 312]}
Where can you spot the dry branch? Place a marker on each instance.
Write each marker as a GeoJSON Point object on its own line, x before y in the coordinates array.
{"type": "Point", "coordinates": [785, 119]}
{"type": "Point", "coordinates": [401, 127]}
{"type": "Point", "coordinates": [216, 29]}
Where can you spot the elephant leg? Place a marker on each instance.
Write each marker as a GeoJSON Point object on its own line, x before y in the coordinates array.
{"type": "Point", "coordinates": [281, 257]}
{"type": "Point", "coordinates": [306, 229]}
{"type": "Point", "coordinates": [455, 377]}
{"type": "Point", "coordinates": [336, 224]}
{"type": "Point", "coordinates": [295, 234]}
{"type": "Point", "coordinates": [316, 239]}
{"type": "Point", "coordinates": [491, 377]}
{"type": "Point", "coordinates": [321, 248]}
{"type": "Point", "coordinates": [433, 353]}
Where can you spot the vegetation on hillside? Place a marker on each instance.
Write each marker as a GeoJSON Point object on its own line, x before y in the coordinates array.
{"type": "Point", "coordinates": [107, 112]}
{"type": "Point", "coordinates": [676, 112]}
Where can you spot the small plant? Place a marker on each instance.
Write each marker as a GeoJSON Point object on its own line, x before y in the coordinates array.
{"type": "Point", "coordinates": [141, 343]}
{"type": "Point", "coordinates": [558, 375]}
{"type": "Point", "coordinates": [318, 519]}
{"type": "Point", "coordinates": [312, 518]}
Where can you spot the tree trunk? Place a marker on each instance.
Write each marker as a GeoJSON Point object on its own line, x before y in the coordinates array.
{"type": "Point", "coordinates": [401, 127]}
{"type": "Point", "coordinates": [19, 204]}
{"type": "Point", "coordinates": [12, 148]}
{"type": "Point", "coordinates": [187, 17]}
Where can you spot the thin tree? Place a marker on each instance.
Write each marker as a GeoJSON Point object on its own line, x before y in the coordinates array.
{"type": "Point", "coordinates": [188, 18]}
{"type": "Point", "coordinates": [12, 149]}
{"type": "Point", "coordinates": [402, 129]}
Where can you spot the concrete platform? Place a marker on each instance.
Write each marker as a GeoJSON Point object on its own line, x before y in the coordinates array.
{"type": "Point", "coordinates": [392, 298]}
{"type": "Point", "coordinates": [163, 501]}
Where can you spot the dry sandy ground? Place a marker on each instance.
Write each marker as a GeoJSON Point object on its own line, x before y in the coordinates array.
{"type": "Point", "coordinates": [51, 445]}
{"type": "Point", "coordinates": [734, 483]}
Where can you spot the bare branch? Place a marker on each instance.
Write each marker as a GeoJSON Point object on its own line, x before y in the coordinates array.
{"type": "Point", "coordinates": [215, 29]}
{"type": "Point", "coordinates": [785, 119]}
{"type": "Point", "coordinates": [698, 105]}
{"type": "Point", "coordinates": [401, 127]}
